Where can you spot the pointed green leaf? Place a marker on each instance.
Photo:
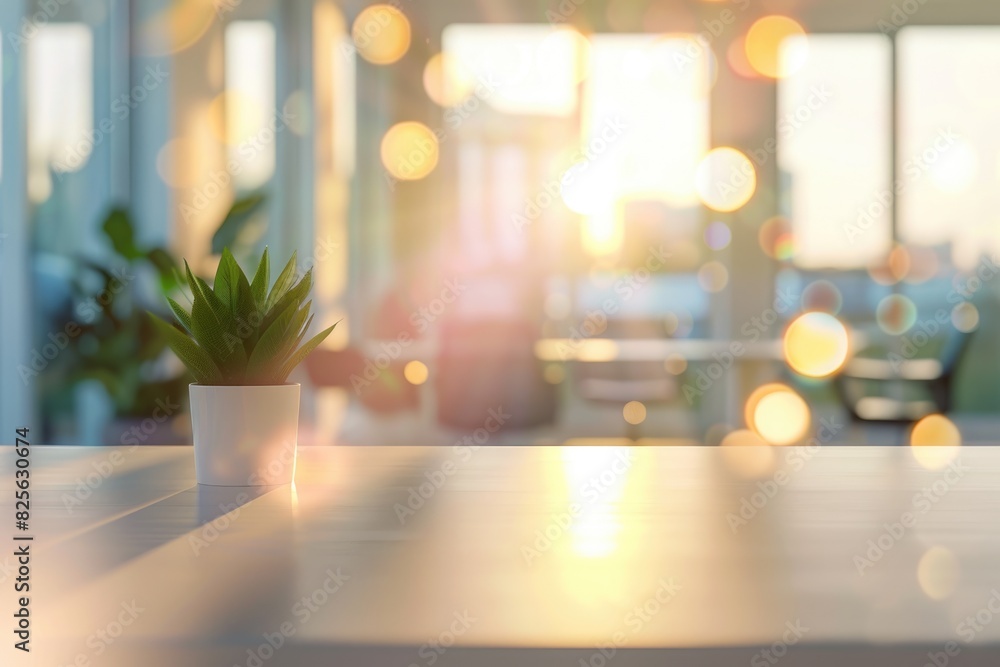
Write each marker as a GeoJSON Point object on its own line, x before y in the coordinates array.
{"type": "Point", "coordinates": [281, 285]}
{"type": "Point", "coordinates": [296, 295]}
{"type": "Point", "coordinates": [265, 357]}
{"type": "Point", "coordinates": [261, 279]}
{"type": "Point", "coordinates": [226, 279]}
{"type": "Point", "coordinates": [191, 355]}
{"type": "Point", "coordinates": [119, 230]}
{"type": "Point", "coordinates": [236, 221]}
{"type": "Point", "coordinates": [302, 353]}
{"type": "Point", "coordinates": [295, 332]}
{"type": "Point", "coordinates": [182, 315]}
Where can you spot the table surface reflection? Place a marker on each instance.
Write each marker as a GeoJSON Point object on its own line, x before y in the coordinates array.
{"type": "Point", "coordinates": [431, 553]}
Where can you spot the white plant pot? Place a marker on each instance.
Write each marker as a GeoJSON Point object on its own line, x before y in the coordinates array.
{"type": "Point", "coordinates": [245, 436]}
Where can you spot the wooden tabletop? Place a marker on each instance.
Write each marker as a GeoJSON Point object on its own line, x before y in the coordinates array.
{"type": "Point", "coordinates": [514, 555]}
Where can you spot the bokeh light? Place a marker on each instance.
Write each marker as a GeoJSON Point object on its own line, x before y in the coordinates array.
{"type": "Point", "coordinates": [763, 46]}
{"type": "Point", "coordinates": [409, 150]}
{"type": "Point", "coordinates": [678, 324]}
{"type": "Point", "coordinates": [736, 56]}
{"type": "Point", "coordinates": [446, 82]}
{"type": "Point", "coordinates": [895, 268]}
{"type": "Point", "coordinates": [775, 238]}
{"type": "Point", "coordinates": [935, 441]}
{"type": "Point", "coordinates": [584, 190]}
{"type": "Point", "coordinates": [713, 276]}
{"type": "Point", "coordinates": [176, 158]}
{"type": "Point", "coordinates": [554, 373]}
{"type": "Point", "coordinates": [381, 34]}
{"type": "Point", "coordinates": [726, 179]}
{"type": "Point", "coordinates": [965, 317]}
{"type": "Point", "coordinates": [415, 372]}
{"type": "Point", "coordinates": [896, 314]}
{"type": "Point", "coordinates": [747, 454]}
{"type": "Point", "coordinates": [777, 414]}
{"type": "Point", "coordinates": [634, 412]}
{"type": "Point", "coordinates": [822, 295]}
{"type": "Point", "coordinates": [816, 344]}
{"type": "Point", "coordinates": [675, 363]}
{"type": "Point", "coordinates": [717, 235]}
{"type": "Point", "coordinates": [938, 573]}
{"type": "Point", "coordinates": [924, 265]}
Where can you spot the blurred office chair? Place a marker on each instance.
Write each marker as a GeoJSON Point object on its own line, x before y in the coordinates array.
{"type": "Point", "coordinates": [488, 364]}
{"type": "Point", "coordinates": [617, 382]}
{"type": "Point", "coordinates": [382, 390]}
{"type": "Point", "coordinates": [877, 386]}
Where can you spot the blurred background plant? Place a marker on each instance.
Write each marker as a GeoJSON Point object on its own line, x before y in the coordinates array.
{"type": "Point", "coordinates": [115, 345]}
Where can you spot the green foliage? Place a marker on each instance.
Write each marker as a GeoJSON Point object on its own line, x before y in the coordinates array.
{"type": "Point", "coordinates": [116, 344]}
{"type": "Point", "coordinates": [237, 223]}
{"type": "Point", "coordinates": [237, 331]}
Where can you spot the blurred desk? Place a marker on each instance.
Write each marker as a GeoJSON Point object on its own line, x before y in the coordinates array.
{"type": "Point", "coordinates": [502, 556]}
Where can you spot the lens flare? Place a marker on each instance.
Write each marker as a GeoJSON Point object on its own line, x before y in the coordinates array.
{"type": "Point", "coordinates": [409, 150]}
{"type": "Point", "coordinates": [938, 573]}
{"type": "Point", "coordinates": [822, 295]}
{"type": "Point", "coordinates": [896, 314]}
{"type": "Point", "coordinates": [713, 277]}
{"type": "Point", "coordinates": [381, 34]}
{"type": "Point", "coordinates": [816, 344]}
{"type": "Point", "coordinates": [725, 179]}
{"type": "Point", "coordinates": [777, 414]}
{"type": "Point", "coordinates": [747, 454]}
{"type": "Point", "coordinates": [634, 412]}
{"type": "Point", "coordinates": [415, 372]}
{"type": "Point", "coordinates": [935, 441]}
{"type": "Point", "coordinates": [764, 42]}
{"type": "Point", "coordinates": [446, 82]}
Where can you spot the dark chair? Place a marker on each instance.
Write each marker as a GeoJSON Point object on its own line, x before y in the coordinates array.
{"type": "Point", "coordinates": [895, 389]}
{"type": "Point", "coordinates": [486, 364]}
{"type": "Point", "coordinates": [379, 389]}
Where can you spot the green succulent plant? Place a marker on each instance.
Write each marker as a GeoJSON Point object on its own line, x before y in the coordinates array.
{"type": "Point", "coordinates": [238, 332]}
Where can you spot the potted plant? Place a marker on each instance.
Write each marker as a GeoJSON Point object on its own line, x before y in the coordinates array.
{"type": "Point", "coordinates": [240, 340]}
